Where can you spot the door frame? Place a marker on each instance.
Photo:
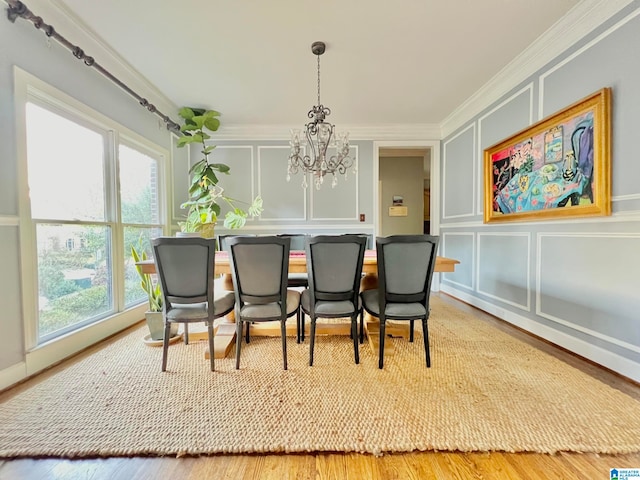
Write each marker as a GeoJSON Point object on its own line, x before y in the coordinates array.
{"type": "Point", "coordinates": [434, 207]}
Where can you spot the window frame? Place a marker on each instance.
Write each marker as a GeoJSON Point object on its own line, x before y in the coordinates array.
{"type": "Point", "coordinates": [29, 88]}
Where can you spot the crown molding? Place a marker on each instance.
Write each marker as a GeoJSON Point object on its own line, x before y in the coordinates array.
{"type": "Point", "coordinates": [356, 132]}
{"type": "Point", "coordinates": [70, 26]}
{"type": "Point", "coordinates": [569, 29]}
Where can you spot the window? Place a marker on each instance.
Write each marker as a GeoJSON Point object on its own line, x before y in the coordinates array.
{"type": "Point", "coordinates": [91, 189]}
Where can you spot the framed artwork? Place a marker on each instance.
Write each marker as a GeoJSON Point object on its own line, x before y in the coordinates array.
{"type": "Point", "coordinates": [558, 167]}
{"type": "Point", "coordinates": [398, 200]}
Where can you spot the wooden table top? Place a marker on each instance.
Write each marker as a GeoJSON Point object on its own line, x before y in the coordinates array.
{"type": "Point", "coordinates": [298, 263]}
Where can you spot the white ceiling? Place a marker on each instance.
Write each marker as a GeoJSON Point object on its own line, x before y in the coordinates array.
{"type": "Point", "coordinates": [400, 62]}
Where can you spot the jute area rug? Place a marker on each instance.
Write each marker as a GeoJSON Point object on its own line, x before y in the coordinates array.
{"type": "Point", "coordinates": [485, 391]}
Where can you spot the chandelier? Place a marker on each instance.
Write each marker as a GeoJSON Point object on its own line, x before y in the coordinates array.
{"type": "Point", "coordinates": [329, 151]}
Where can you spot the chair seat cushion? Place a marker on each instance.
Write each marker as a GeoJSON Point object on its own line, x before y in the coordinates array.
{"type": "Point", "coordinates": [270, 310]}
{"type": "Point", "coordinates": [223, 303]}
{"type": "Point", "coordinates": [329, 308]}
{"type": "Point", "coordinates": [396, 311]}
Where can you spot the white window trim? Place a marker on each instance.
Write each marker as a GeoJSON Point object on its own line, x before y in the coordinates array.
{"type": "Point", "coordinates": [37, 357]}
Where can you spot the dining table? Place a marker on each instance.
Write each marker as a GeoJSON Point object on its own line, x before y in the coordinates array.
{"type": "Point", "coordinates": [226, 330]}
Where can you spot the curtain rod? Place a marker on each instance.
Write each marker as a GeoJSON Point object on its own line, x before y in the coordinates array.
{"type": "Point", "coordinates": [18, 9]}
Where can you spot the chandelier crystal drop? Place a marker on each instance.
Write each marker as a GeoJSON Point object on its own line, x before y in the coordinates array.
{"type": "Point", "coordinates": [328, 150]}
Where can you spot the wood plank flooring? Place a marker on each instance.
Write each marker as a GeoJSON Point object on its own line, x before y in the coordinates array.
{"type": "Point", "coordinates": [325, 466]}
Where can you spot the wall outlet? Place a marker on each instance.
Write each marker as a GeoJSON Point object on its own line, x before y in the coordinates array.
{"type": "Point", "coordinates": [362, 217]}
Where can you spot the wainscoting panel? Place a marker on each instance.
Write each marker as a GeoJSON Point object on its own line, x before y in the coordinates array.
{"type": "Point", "coordinates": [11, 343]}
{"type": "Point", "coordinates": [239, 183]}
{"type": "Point", "coordinates": [461, 247]}
{"type": "Point", "coordinates": [504, 267]}
{"type": "Point", "coordinates": [282, 200]}
{"type": "Point", "coordinates": [458, 174]}
{"type": "Point", "coordinates": [604, 63]}
{"type": "Point", "coordinates": [505, 119]}
{"type": "Point", "coordinates": [335, 203]}
{"type": "Point", "coordinates": [571, 272]}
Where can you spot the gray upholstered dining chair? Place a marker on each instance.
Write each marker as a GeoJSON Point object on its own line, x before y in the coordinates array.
{"type": "Point", "coordinates": [334, 265]}
{"type": "Point", "coordinates": [405, 271]}
{"type": "Point", "coordinates": [185, 267]}
{"type": "Point", "coordinates": [296, 279]}
{"type": "Point", "coordinates": [259, 267]}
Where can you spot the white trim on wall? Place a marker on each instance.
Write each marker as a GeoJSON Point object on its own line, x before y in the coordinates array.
{"type": "Point", "coordinates": [567, 323]}
{"type": "Point", "coordinates": [480, 150]}
{"type": "Point", "coordinates": [302, 190]}
{"type": "Point", "coordinates": [569, 29]}
{"type": "Point", "coordinates": [474, 174]}
{"type": "Point", "coordinates": [527, 235]}
{"type": "Point", "coordinates": [9, 220]}
{"type": "Point", "coordinates": [601, 356]}
{"type": "Point", "coordinates": [576, 54]}
{"type": "Point", "coordinates": [447, 275]}
{"type": "Point", "coordinates": [356, 204]}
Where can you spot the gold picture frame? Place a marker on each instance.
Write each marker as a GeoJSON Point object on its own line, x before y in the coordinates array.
{"type": "Point", "coordinates": [558, 167]}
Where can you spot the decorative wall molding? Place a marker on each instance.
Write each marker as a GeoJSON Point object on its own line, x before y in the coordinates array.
{"type": "Point", "coordinates": [303, 200]}
{"type": "Point", "coordinates": [567, 323]}
{"type": "Point", "coordinates": [578, 22]}
{"type": "Point", "coordinates": [446, 276]}
{"type": "Point", "coordinates": [9, 220]}
{"type": "Point", "coordinates": [603, 357]}
{"type": "Point", "coordinates": [576, 54]}
{"type": "Point", "coordinates": [480, 150]}
{"type": "Point", "coordinates": [527, 235]}
{"type": "Point", "coordinates": [474, 161]}
{"type": "Point", "coordinates": [356, 132]}
{"type": "Point", "coordinates": [356, 204]}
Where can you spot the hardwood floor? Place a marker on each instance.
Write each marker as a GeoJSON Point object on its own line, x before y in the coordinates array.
{"type": "Point", "coordinates": [424, 465]}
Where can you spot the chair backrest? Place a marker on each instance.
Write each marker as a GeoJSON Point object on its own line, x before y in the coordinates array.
{"type": "Point", "coordinates": [259, 268]}
{"type": "Point", "coordinates": [405, 267]}
{"type": "Point", "coordinates": [185, 267]}
{"type": "Point", "coordinates": [297, 240]}
{"type": "Point", "coordinates": [222, 240]}
{"type": "Point", "coordinates": [334, 265]}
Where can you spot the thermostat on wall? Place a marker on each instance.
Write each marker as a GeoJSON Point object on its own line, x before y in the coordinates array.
{"type": "Point", "coordinates": [398, 211]}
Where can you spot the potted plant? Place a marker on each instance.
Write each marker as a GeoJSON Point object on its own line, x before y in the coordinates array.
{"type": "Point", "coordinates": [154, 316]}
{"type": "Point", "coordinates": [205, 191]}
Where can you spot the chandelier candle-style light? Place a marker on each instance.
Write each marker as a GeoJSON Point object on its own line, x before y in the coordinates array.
{"type": "Point", "coordinates": [319, 136]}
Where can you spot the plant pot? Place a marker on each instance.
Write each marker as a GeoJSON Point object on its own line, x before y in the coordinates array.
{"type": "Point", "coordinates": [155, 322]}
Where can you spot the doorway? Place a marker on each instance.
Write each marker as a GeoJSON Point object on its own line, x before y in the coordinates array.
{"type": "Point", "coordinates": [406, 175]}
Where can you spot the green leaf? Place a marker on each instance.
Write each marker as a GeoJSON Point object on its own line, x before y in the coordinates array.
{"type": "Point", "coordinates": [212, 123]}
{"type": "Point", "coordinates": [208, 149]}
{"type": "Point", "coordinates": [186, 113]}
{"type": "Point", "coordinates": [198, 167]}
{"type": "Point", "coordinates": [211, 176]}
{"type": "Point", "coordinates": [221, 167]}
{"type": "Point", "coordinates": [255, 209]}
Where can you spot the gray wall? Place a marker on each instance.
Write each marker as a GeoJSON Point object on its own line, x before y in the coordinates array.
{"type": "Point", "coordinates": [260, 168]}
{"type": "Point", "coordinates": [27, 48]}
{"type": "Point", "coordinates": [574, 282]}
{"type": "Point", "coordinates": [402, 176]}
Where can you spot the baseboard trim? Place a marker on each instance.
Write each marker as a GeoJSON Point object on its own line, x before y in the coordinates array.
{"type": "Point", "coordinates": [617, 363]}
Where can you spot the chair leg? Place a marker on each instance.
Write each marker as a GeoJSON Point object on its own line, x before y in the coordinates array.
{"type": "Point", "coordinates": [247, 338]}
{"type": "Point", "coordinates": [381, 342]}
{"type": "Point", "coordinates": [283, 333]}
{"type": "Point", "coordinates": [165, 344]}
{"type": "Point", "coordinates": [425, 335]}
{"type": "Point", "coordinates": [298, 325]}
{"type": "Point", "coordinates": [186, 333]}
{"type": "Point", "coordinates": [303, 320]}
{"type": "Point", "coordinates": [356, 341]}
{"type": "Point", "coordinates": [312, 340]}
{"type": "Point", "coordinates": [211, 350]}
{"type": "Point", "coordinates": [239, 325]}
{"type": "Point", "coordinates": [411, 322]}
{"type": "Point", "coordinates": [361, 326]}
